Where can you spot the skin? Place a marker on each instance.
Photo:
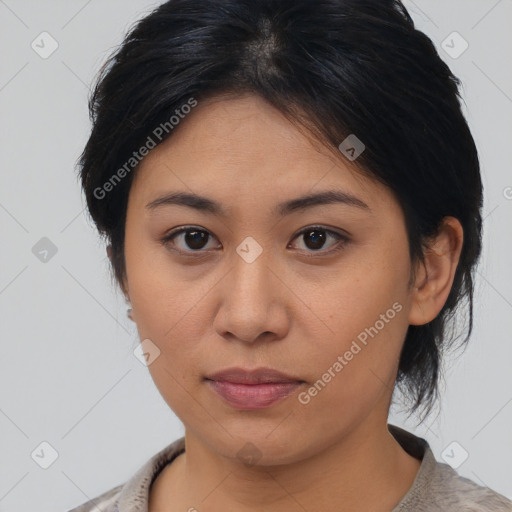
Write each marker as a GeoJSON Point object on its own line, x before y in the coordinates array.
{"type": "Point", "coordinates": [284, 310]}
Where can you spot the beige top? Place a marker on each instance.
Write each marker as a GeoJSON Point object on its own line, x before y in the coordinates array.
{"type": "Point", "coordinates": [437, 486]}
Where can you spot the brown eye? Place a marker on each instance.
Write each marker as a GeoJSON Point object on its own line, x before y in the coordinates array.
{"type": "Point", "coordinates": [189, 239]}
{"type": "Point", "coordinates": [196, 239]}
{"type": "Point", "coordinates": [315, 238]}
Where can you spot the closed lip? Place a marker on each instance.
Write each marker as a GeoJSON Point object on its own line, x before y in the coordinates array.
{"type": "Point", "coordinates": [252, 376]}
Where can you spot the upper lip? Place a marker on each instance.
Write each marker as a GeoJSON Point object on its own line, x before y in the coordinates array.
{"type": "Point", "coordinates": [255, 376]}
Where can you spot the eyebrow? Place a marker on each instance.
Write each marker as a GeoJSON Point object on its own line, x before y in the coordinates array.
{"type": "Point", "coordinates": [207, 205]}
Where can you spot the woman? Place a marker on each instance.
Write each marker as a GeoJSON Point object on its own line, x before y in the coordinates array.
{"type": "Point", "coordinates": [292, 202]}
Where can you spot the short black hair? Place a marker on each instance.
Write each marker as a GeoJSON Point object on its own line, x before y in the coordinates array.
{"type": "Point", "coordinates": [334, 67]}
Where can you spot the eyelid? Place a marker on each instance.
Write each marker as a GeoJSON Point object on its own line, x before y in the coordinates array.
{"type": "Point", "coordinates": [342, 240]}
{"type": "Point", "coordinates": [173, 233]}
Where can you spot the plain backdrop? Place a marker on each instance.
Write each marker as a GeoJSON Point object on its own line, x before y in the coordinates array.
{"type": "Point", "coordinates": [68, 375]}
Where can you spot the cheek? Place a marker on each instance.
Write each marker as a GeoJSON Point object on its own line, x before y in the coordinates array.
{"type": "Point", "coordinates": [365, 310]}
{"type": "Point", "coordinates": [169, 309]}
{"type": "Point", "coordinates": [356, 367]}
{"type": "Point", "coordinates": [162, 300]}
{"type": "Point", "coordinates": [365, 289]}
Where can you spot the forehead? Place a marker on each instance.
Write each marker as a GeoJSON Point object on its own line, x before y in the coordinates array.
{"type": "Point", "coordinates": [242, 148]}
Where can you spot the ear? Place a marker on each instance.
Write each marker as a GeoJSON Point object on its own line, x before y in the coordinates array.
{"type": "Point", "coordinates": [434, 278]}
{"type": "Point", "coordinates": [123, 286]}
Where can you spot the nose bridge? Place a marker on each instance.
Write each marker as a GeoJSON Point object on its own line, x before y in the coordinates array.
{"type": "Point", "coordinates": [251, 275]}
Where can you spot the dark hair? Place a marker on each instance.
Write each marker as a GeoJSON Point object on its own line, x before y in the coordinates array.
{"type": "Point", "coordinates": [334, 67]}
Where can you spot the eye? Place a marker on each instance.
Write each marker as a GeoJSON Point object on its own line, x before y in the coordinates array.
{"type": "Point", "coordinates": [191, 239]}
{"type": "Point", "coordinates": [315, 237]}
{"type": "Point", "coordinates": [188, 239]}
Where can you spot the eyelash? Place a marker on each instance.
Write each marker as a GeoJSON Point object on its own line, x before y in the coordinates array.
{"type": "Point", "coordinates": [342, 240]}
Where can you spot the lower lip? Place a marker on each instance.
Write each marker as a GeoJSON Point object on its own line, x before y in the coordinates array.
{"type": "Point", "coordinates": [253, 396]}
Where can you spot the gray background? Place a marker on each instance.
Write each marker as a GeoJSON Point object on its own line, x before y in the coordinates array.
{"type": "Point", "coordinates": [68, 375]}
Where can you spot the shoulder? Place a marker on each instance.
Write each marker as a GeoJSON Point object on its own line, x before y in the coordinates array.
{"type": "Point", "coordinates": [134, 493]}
{"type": "Point", "coordinates": [438, 487]}
{"type": "Point", "coordinates": [455, 492]}
{"type": "Point", "coordinates": [103, 503]}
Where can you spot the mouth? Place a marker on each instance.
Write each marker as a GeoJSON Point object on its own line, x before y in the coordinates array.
{"type": "Point", "coordinates": [252, 389]}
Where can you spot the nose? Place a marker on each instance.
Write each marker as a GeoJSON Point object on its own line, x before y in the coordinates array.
{"type": "Point", "coordinates": [253, 303]}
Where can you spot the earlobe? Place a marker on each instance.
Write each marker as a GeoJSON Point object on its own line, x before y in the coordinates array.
{"type": "Point", "coordinates": [434, 278]}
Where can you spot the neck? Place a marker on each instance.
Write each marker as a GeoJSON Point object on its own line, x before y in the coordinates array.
{"type": "Point", "coordinates": [365, 470]}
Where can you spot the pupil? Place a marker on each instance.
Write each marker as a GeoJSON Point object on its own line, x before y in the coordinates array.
{"type": "Point", "coordinates": [194, 239]}
{"type": "Point", "coordinates": [318, 240]}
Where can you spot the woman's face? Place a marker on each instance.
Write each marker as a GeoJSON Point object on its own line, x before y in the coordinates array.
{"type": "Point", "coordinates": [245, 287]}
